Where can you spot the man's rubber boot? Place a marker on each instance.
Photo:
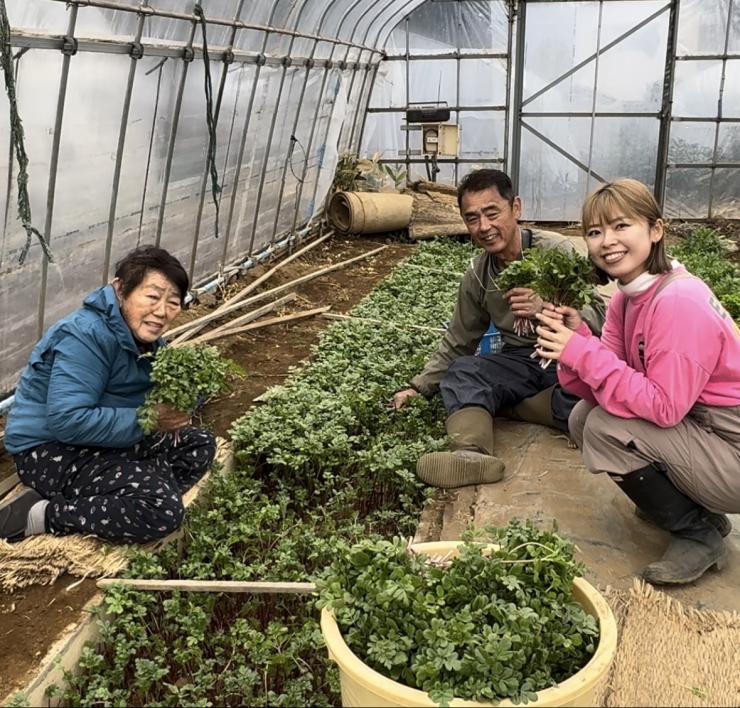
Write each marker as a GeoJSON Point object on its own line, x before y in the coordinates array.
{"type": "Point", "coordinates": [14, 514]}
{"type": "Point", "coordinates": [720, 521]}
{"type": "Point", "coordinates": [535, 409]}
{"type": "Point", "coordinates": [471, 460]}
{"type": "Point", "coordinates": [696, 545]}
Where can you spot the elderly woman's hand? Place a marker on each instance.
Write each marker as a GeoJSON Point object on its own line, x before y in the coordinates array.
{"type": "Point", "coordinates": [170, 419]}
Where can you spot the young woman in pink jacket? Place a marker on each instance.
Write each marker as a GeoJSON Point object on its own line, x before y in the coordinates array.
{"type": "Point", "coordinates": [661, 388]}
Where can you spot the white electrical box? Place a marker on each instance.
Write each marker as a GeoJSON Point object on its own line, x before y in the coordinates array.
{"type": "Point", "coordinates": [439, 139]}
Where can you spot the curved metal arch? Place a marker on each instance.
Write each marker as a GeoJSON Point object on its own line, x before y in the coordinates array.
{"type": "Point", "coordinates": [416, 5]}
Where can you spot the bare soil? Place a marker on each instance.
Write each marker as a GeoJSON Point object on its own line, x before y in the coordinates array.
{"type": "Point", "coordinates": [32, 619]}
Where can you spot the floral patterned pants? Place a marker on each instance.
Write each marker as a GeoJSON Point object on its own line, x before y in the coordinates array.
{"type": "Point", "coordinates": [131, 495]}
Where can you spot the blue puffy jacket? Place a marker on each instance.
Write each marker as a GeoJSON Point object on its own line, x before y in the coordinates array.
{"type": "Point", "coordinates": [83, 383]}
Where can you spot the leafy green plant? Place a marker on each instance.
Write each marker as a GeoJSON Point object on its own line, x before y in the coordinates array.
{"type": "Point", "coordinates": [481, 627]}
{"type": "Point", "coordinates": [705, 252]}
{"type": "Point", "coordinates": [183, 377]}
{"type": "Point", "coordinates": [558, 276]}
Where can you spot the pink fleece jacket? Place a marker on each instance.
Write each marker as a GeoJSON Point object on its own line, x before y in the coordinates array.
{"type": "Point", "coordinates": [657, 357]}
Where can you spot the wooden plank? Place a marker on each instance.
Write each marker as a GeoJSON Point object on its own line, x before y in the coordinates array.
{"type": "Point", "coordinates": [257, 325]}
{"type": "Point", "coordinates": [227, 586]}
{"type": "Point", "coordinates": [242, 319]}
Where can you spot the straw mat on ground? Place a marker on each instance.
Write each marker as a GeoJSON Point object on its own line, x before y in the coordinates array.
{"type": "Point", "coordinates": [40, 560]}
{"type": "Point", "coordinates": [671, 655]}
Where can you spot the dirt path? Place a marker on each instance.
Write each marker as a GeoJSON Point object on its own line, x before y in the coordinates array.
{"type": "Point", "coordinates": [31, 619]}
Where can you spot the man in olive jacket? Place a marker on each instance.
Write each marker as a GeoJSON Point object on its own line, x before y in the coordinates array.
{"type": "Point", "coordinates": [476, 388]}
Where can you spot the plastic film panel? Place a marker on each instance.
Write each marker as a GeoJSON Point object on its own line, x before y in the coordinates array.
{"type": "Point", "coordinates": [702, 26]}
{"type": "Point", "coordinates": [691, 142]}
{"type": "Point", "coordinates": [696, 88]}
{"type": "Point", "coordinates": [687, 193]}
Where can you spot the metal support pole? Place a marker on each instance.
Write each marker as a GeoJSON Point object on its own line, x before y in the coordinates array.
{"type": "Point", "coordinates": [720, 100]}
{"type": "Point", "coordinates": [510, 13]}
{"type": "Point", "coordinates": [516, 105]}
{"type": "Point", "coordinates": [133, 64]}
{"type": "Point", "coordinates": [594, 95]}
{"type": "Point", "coordinates": [361, 102]}
{"type": "Point", "coordinates": [187, 57]}
{"type": "Point", "coordinates": [54, 164]}
{"type": "Point", "coordinates": [458, 13]}
{"type": "Point", "coordinates": [366, 111]}
{"type": "Point", "coordinates": [666, 109]}
{"type": "Point", "coordinates": [407, 157]}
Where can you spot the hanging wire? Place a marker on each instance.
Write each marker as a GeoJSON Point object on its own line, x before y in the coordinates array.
{"type": "Point", "coordinates": [211, 158]}
{"type": "Point", "coordinates": [17, 141]}
{"type": "Point", "coordinates": [293, 141]}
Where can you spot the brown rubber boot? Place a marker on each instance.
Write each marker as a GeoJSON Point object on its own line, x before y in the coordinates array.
{"type": "Point", "coordinates": [471, 460]}
{"type": "Point", "coordinates": [535, 409]}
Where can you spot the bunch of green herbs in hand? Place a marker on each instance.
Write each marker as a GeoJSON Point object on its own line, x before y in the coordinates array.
{"type": "Point", "coordinates": [482, 626]}
{"type": "Point", "coordinates": [520, 274]}
{"type": "Point", "coordinates": [183, 377]}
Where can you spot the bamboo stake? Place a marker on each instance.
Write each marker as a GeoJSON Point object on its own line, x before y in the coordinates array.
{"type": "Point", "coordinates": [243, 319]}
{"type": "Point", "coordinates": [336, 316]}
{"type": "Point", "coordinates": [257, 325]}
{"type": "Point", "coordinates": [254, 284]}
{"type": "Point", "coordinates": [230, 586]}
{"type": "Point", "coordinates": [274, 291]}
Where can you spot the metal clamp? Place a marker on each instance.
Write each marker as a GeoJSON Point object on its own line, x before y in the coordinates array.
{"type": "Point", "coordinates": [69, 46]}
{"type": "Point", "coordinates": [309, 63]}
{"type": "Point", "coordinates": [260, 59]}
{"type": "Point", "coordinates": [228, 57]}
{"type": "Point", "coordinates": [188, 54]}
{"type": "Point", "coordinates": [136, 50]}
{"type": "Point", "coordinates": [286, 62]}
{"type": "Point", "coordinates": [328, 63]}
{"type": "Point", "coordinates": [342, 64]}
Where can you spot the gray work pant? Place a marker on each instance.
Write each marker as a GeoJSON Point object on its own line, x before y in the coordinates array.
{"type": "Point", "coordinates": [701, 454]}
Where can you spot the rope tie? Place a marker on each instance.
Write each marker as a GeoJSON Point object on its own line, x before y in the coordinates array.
{"type": "Point", "coordinates": [211, 158]}
{"type": "Point", "coordinates": [17, 141]}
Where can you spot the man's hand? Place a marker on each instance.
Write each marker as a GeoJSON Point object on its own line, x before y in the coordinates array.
{"type": "Point", "coordinates": [524, 302]}
{"type": "Point", "coordinates": [399, 399]}
{"type": "Point", "coordinates": [170, 419]}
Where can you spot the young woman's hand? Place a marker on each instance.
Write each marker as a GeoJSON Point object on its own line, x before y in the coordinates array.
{"type": "Point", "coordinates": [569, 316]}
{"type": "Point", "coordinates": [524, 302]}
{"type": "Point", "coordinates": [552, 335]}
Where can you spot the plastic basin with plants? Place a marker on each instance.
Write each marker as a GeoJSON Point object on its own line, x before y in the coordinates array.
{"type": "Point", "coordinates": [466, 623]}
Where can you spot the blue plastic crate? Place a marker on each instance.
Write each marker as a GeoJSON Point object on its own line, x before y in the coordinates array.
{"type": "Point", "coordinates": [490, 343]}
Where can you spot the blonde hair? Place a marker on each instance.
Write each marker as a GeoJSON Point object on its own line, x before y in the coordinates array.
{"type": "Point", "coordinates": [632, 199]}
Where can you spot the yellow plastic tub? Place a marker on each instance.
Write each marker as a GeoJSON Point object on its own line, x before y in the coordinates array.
{"type": "Point", "coordinates": [362, 686]}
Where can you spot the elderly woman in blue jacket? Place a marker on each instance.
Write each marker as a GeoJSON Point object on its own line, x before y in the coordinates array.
{"type": "Point", "coordinates": [73, 431]}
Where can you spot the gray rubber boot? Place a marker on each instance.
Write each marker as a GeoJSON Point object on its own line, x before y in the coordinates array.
{"type": "Point", "coordinates": [471, 460]}
{"type": "Point", "coordinates": [696, 544]}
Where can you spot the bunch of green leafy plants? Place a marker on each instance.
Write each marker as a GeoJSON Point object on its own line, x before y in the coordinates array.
{"type": "Point", "coordinates": [482, 626]}
{"type": "Point", "coordinates": [183, 377]}
{"type": "Point", "coordinates": [705, 253]}
{"type": "Point", "coordinates": [559, 276]}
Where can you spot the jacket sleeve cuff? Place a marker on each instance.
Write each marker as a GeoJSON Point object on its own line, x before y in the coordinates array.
{"type": "Point", "coordinates": [573, 349]}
